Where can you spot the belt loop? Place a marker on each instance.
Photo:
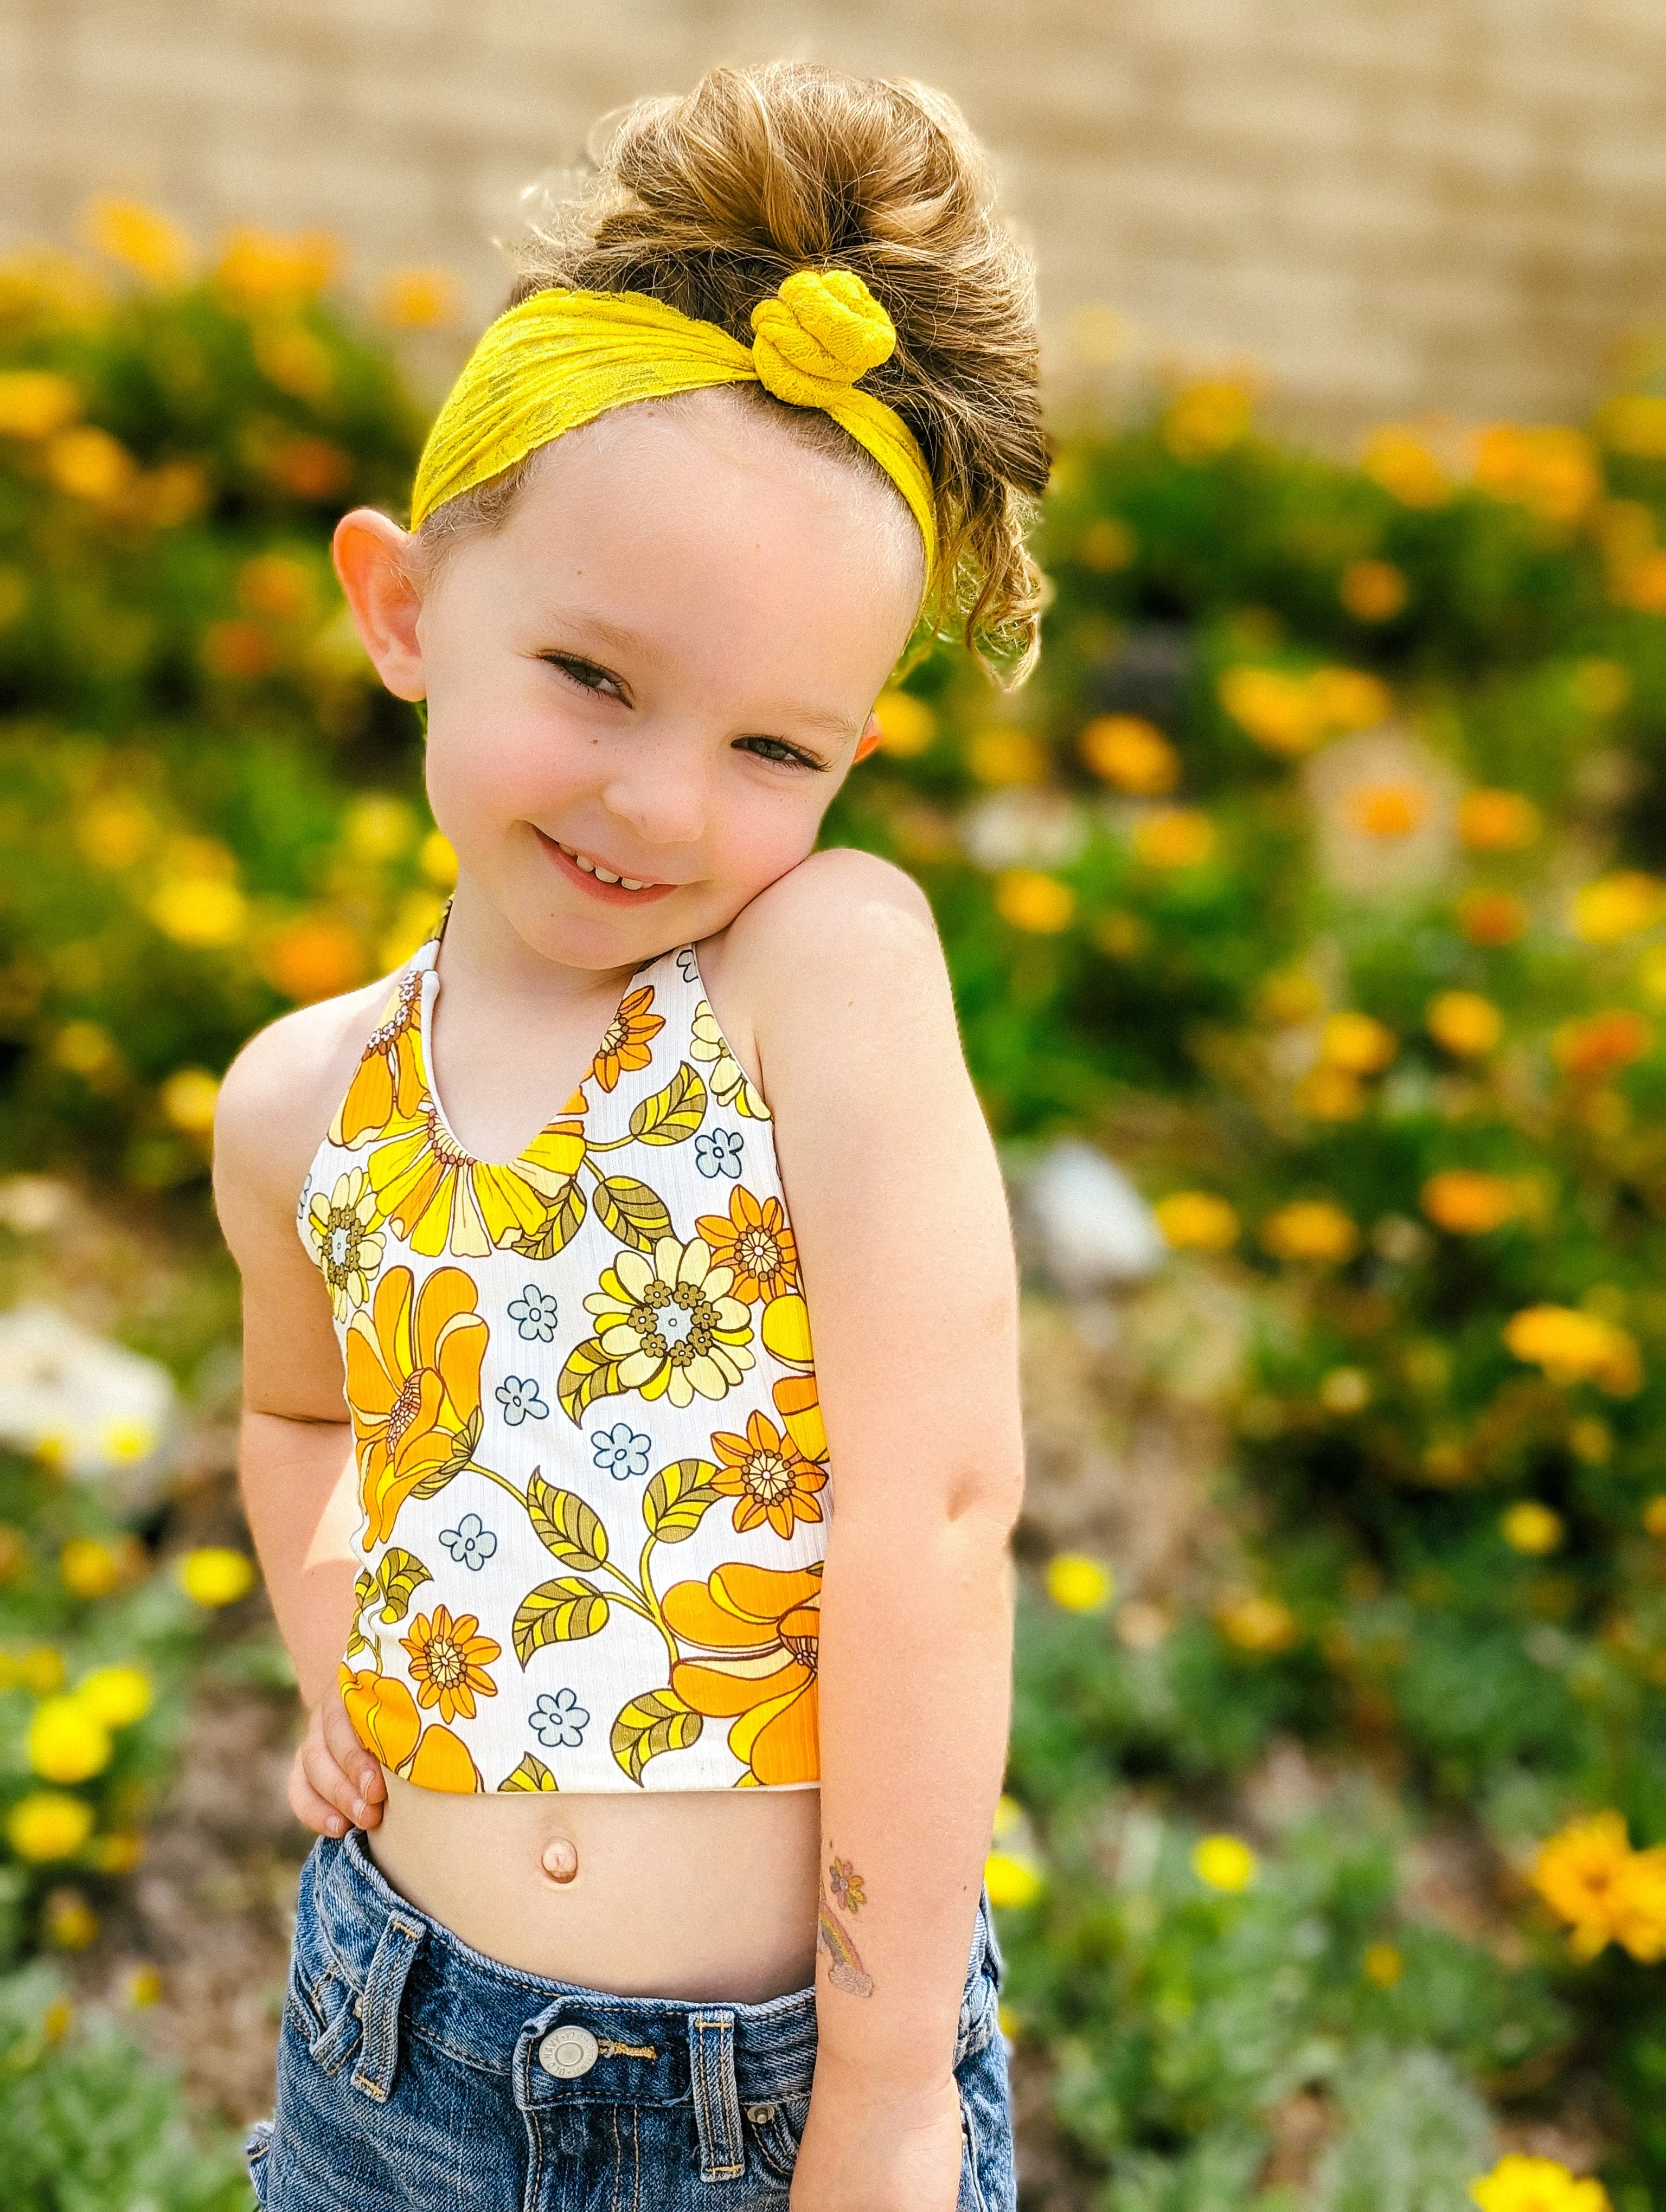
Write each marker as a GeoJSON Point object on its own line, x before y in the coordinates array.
{"type": "Point", "coordinates": [716, 2099]}
{"type": "Point", "coordinates": [378, 2008]}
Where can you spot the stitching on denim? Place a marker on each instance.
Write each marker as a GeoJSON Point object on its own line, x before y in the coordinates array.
{"type": "Point", "coordinates": [725, 2107]}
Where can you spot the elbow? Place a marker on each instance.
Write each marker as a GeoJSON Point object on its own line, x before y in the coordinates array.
{"type": "Point", "coordinates": [988, 1498]}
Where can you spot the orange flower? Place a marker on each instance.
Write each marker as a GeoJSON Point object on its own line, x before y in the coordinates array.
{"type": "Point", "coordinates": [1390, 810]}
{"type": "Point", "coordinates": [1257, 1624]}
{"type": "Point", "coordinates": [1175, 837]}
{"type": "Point", "coordinates": [1491, 917]}
{"type": "Point", "coordinates": [1132, 754]}
{"type": "Point", "coordinates": [1466, 1203]}
{"type": "Point", "coordinates": [628, 1043]}
{"type": "Point", "coordinates": [1398, 459]}
{"type": "Point", "coordinates": [1497, 821]}
{"type": "Point", "coordinates": [1358, 1043]}
{"type": "Point", "coordinates": [389, 1078]}
{"type": "Point", "coordinates": [448, 1661]}
{"type": "Point", "coordinates": [413, 1387]}
{"type": "Point", "coordinates": [1310, 1228]}
{"type": "Point", "coordinates": [1572, 1346]}
{"type": "Point", "coordinates": [1577, 1872]}
{"type": "Point", "coordinates": [768, 1476]}
{"type": "Point", "coordinates": [1554, 471]}
{"type": "Point", "coordinates": [1592, 1050]}
{"type": "Point", "coordinates": [761, 1627]}
{"type": "Point", "coordinates": [756, 1241]}
{"type": "Point", "coordinates": [1464, 1021]}
{"type": "Point", "coordinates": [442, 1762]}
{"type": "Point", "coordinates": [1373, 590]}
{"type": "Point", "coordinates": [383, 1713]}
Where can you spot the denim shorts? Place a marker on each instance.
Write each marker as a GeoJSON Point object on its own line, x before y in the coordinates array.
{"type": "Point", "coordinates": [414, 2074]}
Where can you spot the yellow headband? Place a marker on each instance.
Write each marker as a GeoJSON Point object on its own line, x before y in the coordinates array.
{"type": "Point", "coordinates": [561, 358]}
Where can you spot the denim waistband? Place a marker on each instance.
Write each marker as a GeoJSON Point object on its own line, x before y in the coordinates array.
{"type": "Point", "coordinates": [410, 1976]}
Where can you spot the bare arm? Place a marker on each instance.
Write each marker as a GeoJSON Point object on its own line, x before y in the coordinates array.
{"type": "Point", "coordinates": [906, 1255]}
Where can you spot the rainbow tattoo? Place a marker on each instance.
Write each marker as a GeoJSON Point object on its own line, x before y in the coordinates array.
{"type": "Point", "coordinates": [845, 1970]}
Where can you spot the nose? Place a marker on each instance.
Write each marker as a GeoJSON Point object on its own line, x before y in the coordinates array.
{"type": "Point", "coordinates": [662, 794]}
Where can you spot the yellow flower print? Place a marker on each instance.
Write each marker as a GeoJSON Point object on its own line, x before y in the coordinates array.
{"type": "Point", "coordinates": [628, 1043]}
{"type": "Point", "coordinates": [798, 1400]}
{"type": "Point", "coordinates": [413, 1387]}
{"type": "Point", "coordinates": [756, 1240]}
{"type": "Point", "coordinates": [348, 1252]}
{"type": "Point", "coordinates": [768, 1476]}
{"type": "Point", "coordinates": [728, 1081]}
{"type": "Point", "coordinates": [762, 1625]}
{"type": "Point", "coordinates": [389, 1078]}
{"type": "Point", "coordinates": [448, 1661]}
{"type": "Point", "coordinates": [440, 1198]}
{"type": "Point", "coordinates": [670, 1322]}
{"type": "Point", "coordinates": [383, 1713]}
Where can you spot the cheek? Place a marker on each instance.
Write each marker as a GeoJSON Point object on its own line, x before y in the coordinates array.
{"type": "Point", "coordinates": [482, 777]}
{"type": "Point", "coordinates": [760, 836]}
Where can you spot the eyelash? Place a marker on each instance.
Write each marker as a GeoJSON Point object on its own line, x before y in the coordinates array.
{"type": "Point", "coordinates": [570, 665]}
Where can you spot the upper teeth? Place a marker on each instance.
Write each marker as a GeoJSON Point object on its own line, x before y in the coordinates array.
{"type": "Point", "coordinates": [602, 875]}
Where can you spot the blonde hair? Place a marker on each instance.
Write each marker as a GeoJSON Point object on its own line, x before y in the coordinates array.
{"type": "Point", "coordinates": [708, 200]}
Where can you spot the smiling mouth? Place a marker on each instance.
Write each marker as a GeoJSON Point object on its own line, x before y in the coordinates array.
{"type": "Point", "coordinates": [590, 865]}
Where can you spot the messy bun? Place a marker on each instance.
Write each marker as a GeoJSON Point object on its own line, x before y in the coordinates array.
{"type": "Point", "coordinates": [708, 201]}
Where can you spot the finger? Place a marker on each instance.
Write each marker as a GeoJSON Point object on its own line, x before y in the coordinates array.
{"type": "Point", "coordinates": [350, 1755]}
{"type": "Point", "coordinates": [310, 1809]}
{"type": "Point", "coordinates": [326, 1777]}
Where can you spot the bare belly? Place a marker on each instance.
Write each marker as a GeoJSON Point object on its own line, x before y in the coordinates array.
{"type": "Point", "coordinates": [707, 1895]}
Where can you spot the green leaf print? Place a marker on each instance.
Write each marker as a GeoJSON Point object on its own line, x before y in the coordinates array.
{"type": "Point", "coordinates": [462, 1452]}
{"type": "Point", "coordinates": [399, 1574]}
{"type": "Point", "coordinates": [656, 1721]}
{"type": "Point", "coordinates": [676, 1498]}
{"type": "Point", "coordinates": [631, 1212]}
{"type": "Point", "coordinates": [561, 1612]}
{"type": "Point", "coordinates": [560, 1226]}
{"type": "Point", "coordinates": [531, 1774]}
{"type": "Point", "coordinates": [565, 1525]}
{"type": "Point", "coordinates": [673, 1114]}
{"type": "Point", "coordinates": [589, 1374]}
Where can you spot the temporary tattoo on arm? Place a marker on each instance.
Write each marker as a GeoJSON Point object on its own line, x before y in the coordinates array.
{"type": "Point", "coordinates": [845, 1970]}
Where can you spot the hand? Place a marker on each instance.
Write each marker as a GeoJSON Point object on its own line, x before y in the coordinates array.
{"type": "Point", "coordinates": [868, 2148]}
{"type": "Point", "coordinates": [335, 1784]}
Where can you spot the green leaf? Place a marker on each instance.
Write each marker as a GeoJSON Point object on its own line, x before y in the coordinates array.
{"type": "Point", "coordinates": [656, 1721]}
{"type": "Point", "coordinates": [399, 1574]}
{"type": "Point", "coordinates": [561, 1612]}
{"type": "Point", "coordinates": [673, 1114]}
{"type": "Point", "coordinates": [559, 1226]}
{"type": "Point", "coordinates": [565, 1525]}
{"type": "Point", "coordinates": [462, 1452]}
{"type": "Point", "coordinates": [531, 1774]}
{"type": "Point", "coordinates": [631, 1212]}
{"type": "Point", "coordinates": [675, 1501]}
{"type": "Point", "coordinates": [589, 1374]}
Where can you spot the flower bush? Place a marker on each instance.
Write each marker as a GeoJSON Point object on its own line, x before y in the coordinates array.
{"type": "Point", "coordinates": [1319, 877]}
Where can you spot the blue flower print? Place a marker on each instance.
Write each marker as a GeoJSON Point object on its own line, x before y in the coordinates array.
{"type": "Point", "coordinates": [517, 1395]}
{"type": "Point", "coordinates": [535, 1312]}
{"type": "Point", "coordinates": [559, 1722]}
{"type": "Point", "coordinates": [469, 1543]}
{"type": "Point", "coordinates": [718, 1152]}
{"type": "Point", "coordinates": [621, 1451]}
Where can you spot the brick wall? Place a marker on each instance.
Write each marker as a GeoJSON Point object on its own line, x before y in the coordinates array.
{"type": "Point", "coordinates": [1391, 205]}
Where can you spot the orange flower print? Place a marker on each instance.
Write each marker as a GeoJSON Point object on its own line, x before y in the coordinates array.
{"type": "Point", "coordinates": [383, 1713]}
{"type": "Point", "coordinates": [759, 1626]}
{"type": "Point", "coordinates": [756, 1241]}
{"type": "Point", "coordinates": [769, 1478]}
{"type": "Point", "coordinates": [389, 1078]}
{"type": "Point", "coordinates": [440, 1198]}
{"type": "Point", "coordinates": [628, 1043]}
{"type": "Point", "coordinates": [413, 1387]}
{"type": "Point", "coordinates": [448, 1661]}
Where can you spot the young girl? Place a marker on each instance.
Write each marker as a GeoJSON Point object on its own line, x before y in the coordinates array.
{"type": "Point", "coordinates": [653, 1791]}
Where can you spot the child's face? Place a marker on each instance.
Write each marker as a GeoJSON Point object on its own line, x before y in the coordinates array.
{"type": "Point", "coordinates": [662, 663]}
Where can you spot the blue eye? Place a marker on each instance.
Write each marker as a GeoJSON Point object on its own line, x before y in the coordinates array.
{"type": "Point", "coordinates": [583, 673]}
{"type": "Point", "coordinates": [776, 749]}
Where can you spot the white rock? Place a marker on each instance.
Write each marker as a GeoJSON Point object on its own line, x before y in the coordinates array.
{"type": "Point", "coordinates": [88, 1406]}
{"type": "Point", "coordinates": [1090, 1225]}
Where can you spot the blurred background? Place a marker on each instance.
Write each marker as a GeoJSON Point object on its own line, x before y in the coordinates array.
{"type": "Point", "coordinates": [1307, 914]}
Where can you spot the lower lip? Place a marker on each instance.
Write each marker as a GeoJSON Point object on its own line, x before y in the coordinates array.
{"type": "Point", "coordinates": [610, 894]}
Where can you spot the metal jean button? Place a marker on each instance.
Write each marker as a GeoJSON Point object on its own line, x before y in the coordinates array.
{"type": "Point", "coordinates": [567, 2052]}
{"type": "Point", "coordinates": [758, 2113]}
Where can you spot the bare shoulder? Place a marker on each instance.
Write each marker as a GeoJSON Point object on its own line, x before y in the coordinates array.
{"type": "Point", "coordinates": [844, 929]}
{"type": "Point", "coordinates": [281, 1093]}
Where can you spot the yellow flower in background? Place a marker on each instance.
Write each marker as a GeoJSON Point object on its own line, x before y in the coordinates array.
{"type": "Point", "coordinates": [1389, 810]}
{"type": "Point", "coordinates": [89, 463]}
{"type": "Point", "coordinates": [116, 830]}
{"type": "Point", "coordinates": [1536, 2184]}
{"type": "Point", "coordinates": [1405, 467]}
{"type": "Point", "coordinates": [1223, 1862]}
{"type": "Point", "coordinates": [203, 911]}
{"type": "Point", "coordinates": [1531, 1528]}
{"type": "Point", "coordinates": [1497, 821]}
{"type": "Point", "coordinates": [1175, 837]}
{"type": "Point", "coordinates": [294, 360]}
{"type": "Point", "coordinates": [1358, 1044]}
{"type": "Point", "coordinates": [437, 860]}
{"type": "Point", "coordinates": [1288, 998]}
{"type": "Point", "coordinates": [1468, 1203]}
{"type": "Point", "coordinates": [419, 299]}
{"type": "Point", "coordinates": [143, 1988]}
{"type": "Point", "coordinates": [1465, 1022]}
{"type": "Point", "coordinates": [66, 1740]}
{"type": "Point", "coordinates": [1012, 1881]}
{"type": "Point", "coordinates": [86, 1048]}
{"type": "Point", "coordinates": [1330, 1094]}
{"type": "Point", "coordinates": [1492, 918]}
{"type": "Point", "coordinates": [1079, 1583]}
{"type": "Point", "coordinates": [34, 402]}
{"type": "Point", "coordinates": [1029, 900]}
{"type": "Point", "coordinates": [1633, 422]}
{"type": "Point", "coordinates": [1638, 1912]}
{"type": "Point", "coordinates": [188, 1100]}
{"type": "Point", "coordinates": [1654, 1515]}
{"type": "Point", "coordinates": [89, 1569]}
{"type": "Point", "coordinates": [378, 827]}
{"type": "Point", "coordinates": [1107, 545]}
{"type": "Point", "coordinates": [259, 269]}
{"type": "Point", "coordinates": [1574, 1872]}
{"type": "Point", "coordinates": [40, 1670]}
{"type": "Point", "coordinates": [1257, 1624]}
{"type": "Point", "coordinates": [1310, 1228]}
{"type": "Point", "coordinates": [117, 1696]}
{"type": "Point", "coordinates": [1554, 471]}
{"type": "Point", "coordinates": [1277, 708]}
{"type": "Point", "coordinates": [907, 725]}
{"type": "Point", "coordinates": [48, 1824]}
{"type": "Point", "coordinates": [1130, 753]}
{"type": "Point", "coordinates": [1574, 1347]}
{"type": "Point", "coordinates": [145, 241]}
{"type": "Point", "coordinates": [1382, 1965]}
{"type": "Point", "coordinates": [1373, 590]}
{"type": "Point", "coordinates": [1619, 906]}
{"type": "Point", "coordinates": [1345, 1390]}
{"type": "Point", "coordinates": [1004, 757]}
{"type": "Point", "coordinates": [215, 1574]}
{"type": "Point", "coordinates": [1207, 419]}
{"type": "Point", "coordinates": [1196, 1221]}
{"type": "Point", "coordinates": [69, 1920]}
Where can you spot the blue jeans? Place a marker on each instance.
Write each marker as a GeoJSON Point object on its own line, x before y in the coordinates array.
{"type": "Point", "coordinates": [414, 2074]}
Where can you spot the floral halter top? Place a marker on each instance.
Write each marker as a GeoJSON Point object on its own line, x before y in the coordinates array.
{"type": "Point", "coordinates": [591, 1461]}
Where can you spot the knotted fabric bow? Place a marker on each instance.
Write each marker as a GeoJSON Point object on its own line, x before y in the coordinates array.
{"type": "Point", "coordinates": [561, 358]}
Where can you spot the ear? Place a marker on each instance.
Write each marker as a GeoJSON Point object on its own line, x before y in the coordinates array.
{"type": "Point", "coordinates": [373, 559]}
{"type": "Point", "coordinates": [872, 737]}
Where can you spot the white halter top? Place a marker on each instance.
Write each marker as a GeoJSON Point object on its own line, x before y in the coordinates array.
{"type": "Point", "coordinates": [592, 1466]}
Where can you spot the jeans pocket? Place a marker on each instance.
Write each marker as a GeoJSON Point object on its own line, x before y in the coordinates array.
{"type": "Point", "coordinates": [257, 2157]}
{"type": "Point", "coordinates": [774, 2132]}
{"type": "Point", "coordinates": [326, 2015]}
